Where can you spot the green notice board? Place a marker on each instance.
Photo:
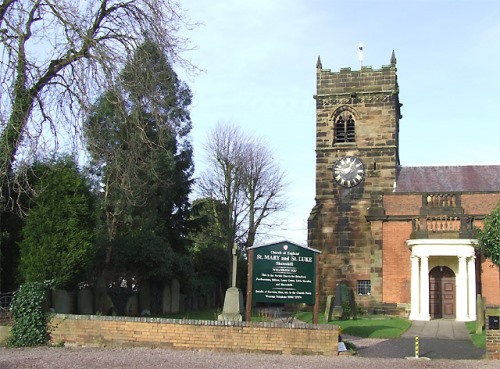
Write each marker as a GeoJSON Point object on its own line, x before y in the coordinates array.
{"type": "Point", "coordinates": [284, 273]}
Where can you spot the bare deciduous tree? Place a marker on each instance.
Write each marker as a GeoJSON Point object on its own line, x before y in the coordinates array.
{"type": "Point", "coordinates": [263, 187]}
{"type": "Point", "coordinates": [243, 175]}
{"type": "Point", "coordinates": [57, 56]}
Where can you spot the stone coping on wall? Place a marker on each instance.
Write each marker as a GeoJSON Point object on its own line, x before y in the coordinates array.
{"type": "Point", "coordinates": [273, 324]}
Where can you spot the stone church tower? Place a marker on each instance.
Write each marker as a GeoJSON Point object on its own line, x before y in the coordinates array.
{"type": "Point", "coordinates": [357, 125]}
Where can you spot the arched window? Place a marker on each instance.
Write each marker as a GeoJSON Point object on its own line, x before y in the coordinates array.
{"type": "Point", "coordinates": [345, 128]}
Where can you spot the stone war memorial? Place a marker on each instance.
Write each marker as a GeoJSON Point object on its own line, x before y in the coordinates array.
{"type": "Point", "coordinates": [233, 301]}
{"type": "Point", "coordinates": [280, 273]}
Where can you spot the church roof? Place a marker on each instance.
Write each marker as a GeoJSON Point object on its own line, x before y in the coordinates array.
{"type": "Point", "coordinates": [466, 178]}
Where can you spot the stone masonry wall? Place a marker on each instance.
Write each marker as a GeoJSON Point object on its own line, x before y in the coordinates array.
{"type": "Point", "coordinates": [275, 338]}
{"type": "Point", "coordinates": [338, 226]}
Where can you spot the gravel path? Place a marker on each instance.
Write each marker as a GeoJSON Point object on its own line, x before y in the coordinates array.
{"type": "Point", "coordinates": [94, 358]}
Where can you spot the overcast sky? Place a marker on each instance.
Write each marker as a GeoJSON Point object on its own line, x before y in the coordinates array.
{"type": "Point", "coordinates": [259, 56]}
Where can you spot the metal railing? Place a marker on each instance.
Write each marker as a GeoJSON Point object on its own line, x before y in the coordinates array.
{"type": "Point", "coordinates": [5, 301]}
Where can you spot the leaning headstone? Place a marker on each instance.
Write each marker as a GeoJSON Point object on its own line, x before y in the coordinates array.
{"type": "Point", "coordinates": [329, 308]}
{"type": "Point", "coordinates": [175, 290]}
{"type": "Point", "coordinates": [85, 301]}
{"type": "Point", "coordinates": [480, 319]}
{"type": "Point", "coordinates": [166, 306]}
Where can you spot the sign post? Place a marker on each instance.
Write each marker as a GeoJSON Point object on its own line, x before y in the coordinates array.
{"type": "Point", "coordinates": [282, 272]}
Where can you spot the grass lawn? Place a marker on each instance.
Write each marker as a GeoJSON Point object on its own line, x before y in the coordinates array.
{"type": "Point", "coordinates": [479, 340]}
{"type": "Point", "coordinates": [366, 326]}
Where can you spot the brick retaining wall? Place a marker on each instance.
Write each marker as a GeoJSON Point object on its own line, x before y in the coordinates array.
{"type": "Point", "coordinates": [492, 335]}
{"type": "Point", "coordinates": [275, 338]}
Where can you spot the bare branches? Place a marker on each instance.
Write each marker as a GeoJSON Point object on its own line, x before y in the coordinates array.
{"type": "Point", "coordinates": [58, 56]}
{"type": "Point", "coordinates": [243, 175]}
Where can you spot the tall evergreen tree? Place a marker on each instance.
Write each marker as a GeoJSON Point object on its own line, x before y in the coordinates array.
{"type": "Point", "coordinates": [138, 138]}
{"type": "Point", "coordinates": [58, 235]}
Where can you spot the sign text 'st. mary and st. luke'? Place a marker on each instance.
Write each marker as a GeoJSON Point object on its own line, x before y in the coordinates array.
{"type": "Point", "coordinates": [284, 273]}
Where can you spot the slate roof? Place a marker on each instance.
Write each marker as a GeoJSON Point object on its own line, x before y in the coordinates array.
{"type": "Point", "coordinates": [467, 178]}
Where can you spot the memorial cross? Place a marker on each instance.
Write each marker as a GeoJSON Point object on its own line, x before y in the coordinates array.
{"type": "Point", "coordinates": [235, 263]}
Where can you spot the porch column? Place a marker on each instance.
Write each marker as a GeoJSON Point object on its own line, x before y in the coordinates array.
{"type": "Point", "coordinates": [462, 296]}
{"type": "Point", "coordinates": [471, 279]}
{"type": "Point", "coordinates": [424, 288]}
{"type": "Point", "coordinates": [415, 288]}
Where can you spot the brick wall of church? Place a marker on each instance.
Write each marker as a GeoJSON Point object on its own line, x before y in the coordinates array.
{"type": "Point", "coordinates": [490, 278]}
{"type": "Point", "coordinates": [402, 204]}
{"type": "Point", "coordinates": [476, 204]}
{"type": "Point", "coordinates": [480, 203]}
{"type": "Point", "coordinates": [396, 256]}
{"type": "Point", "coordinates": [396, 262]}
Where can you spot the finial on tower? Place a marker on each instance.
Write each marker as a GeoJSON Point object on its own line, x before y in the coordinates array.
{"type": "Point", "coordinates": [318, 63]}
{"type": "Point", "coordinates": [393, 59]}
{"type": "Point", "coordinates": [360, 54]}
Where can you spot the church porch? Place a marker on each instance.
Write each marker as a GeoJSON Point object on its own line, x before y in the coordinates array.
{"type": "Point", "coordinates": [443, 279]}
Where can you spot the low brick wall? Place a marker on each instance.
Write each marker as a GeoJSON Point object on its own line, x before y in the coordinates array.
{"type": "Point", "coordinates": [275, 338]}
{"type": "Point", "coordinates": [492, 335]}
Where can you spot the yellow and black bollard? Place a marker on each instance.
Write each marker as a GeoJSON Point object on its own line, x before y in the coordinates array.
{"type": "Point", "coordinates": [416, 348]}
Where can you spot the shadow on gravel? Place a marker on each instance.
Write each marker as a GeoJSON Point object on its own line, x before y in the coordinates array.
{"type": "Point", "coordinates": [432, 348]}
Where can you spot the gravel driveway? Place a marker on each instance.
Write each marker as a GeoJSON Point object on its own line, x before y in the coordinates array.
{"type": "Point", "coordinates": [98, 358]}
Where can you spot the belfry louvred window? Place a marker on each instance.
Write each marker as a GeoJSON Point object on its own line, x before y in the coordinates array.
{"type": "Point", "coordinates": [345, 129]}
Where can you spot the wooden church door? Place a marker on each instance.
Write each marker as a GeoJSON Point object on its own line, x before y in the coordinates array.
{"type": "Point", "coordinates": [442, 293]}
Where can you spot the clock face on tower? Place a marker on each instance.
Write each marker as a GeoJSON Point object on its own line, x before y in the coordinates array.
{"type": "Point", "coordinates": [348, 171]}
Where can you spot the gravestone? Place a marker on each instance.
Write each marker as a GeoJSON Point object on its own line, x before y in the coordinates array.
{"type": "Point", "coordinates": [338, 309]}
{"type": "Point", "coordinates": [329, 308]}
{"type": "Point", "coordinates": [103, 303]}
{"type": "Point", "coordinates": [182, 303]}
{"type": "Point", "coordinates": [145, 298]}
{"type": "Point", "coordinates": [175, 291]}
{"type": "Point", "coordinates": [85, 302]}
{"type": "Point", "coordinates": [195, 301]}
{"type": "Point", "coordinates": [63, 302]}
{"type": "Point", "coordinates": [132, 307]}
{"type": "Point", "coordinates": [166, 305]}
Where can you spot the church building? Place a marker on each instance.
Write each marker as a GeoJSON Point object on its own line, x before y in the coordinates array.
{"type": "Point", "coordinates": [403, 238]}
